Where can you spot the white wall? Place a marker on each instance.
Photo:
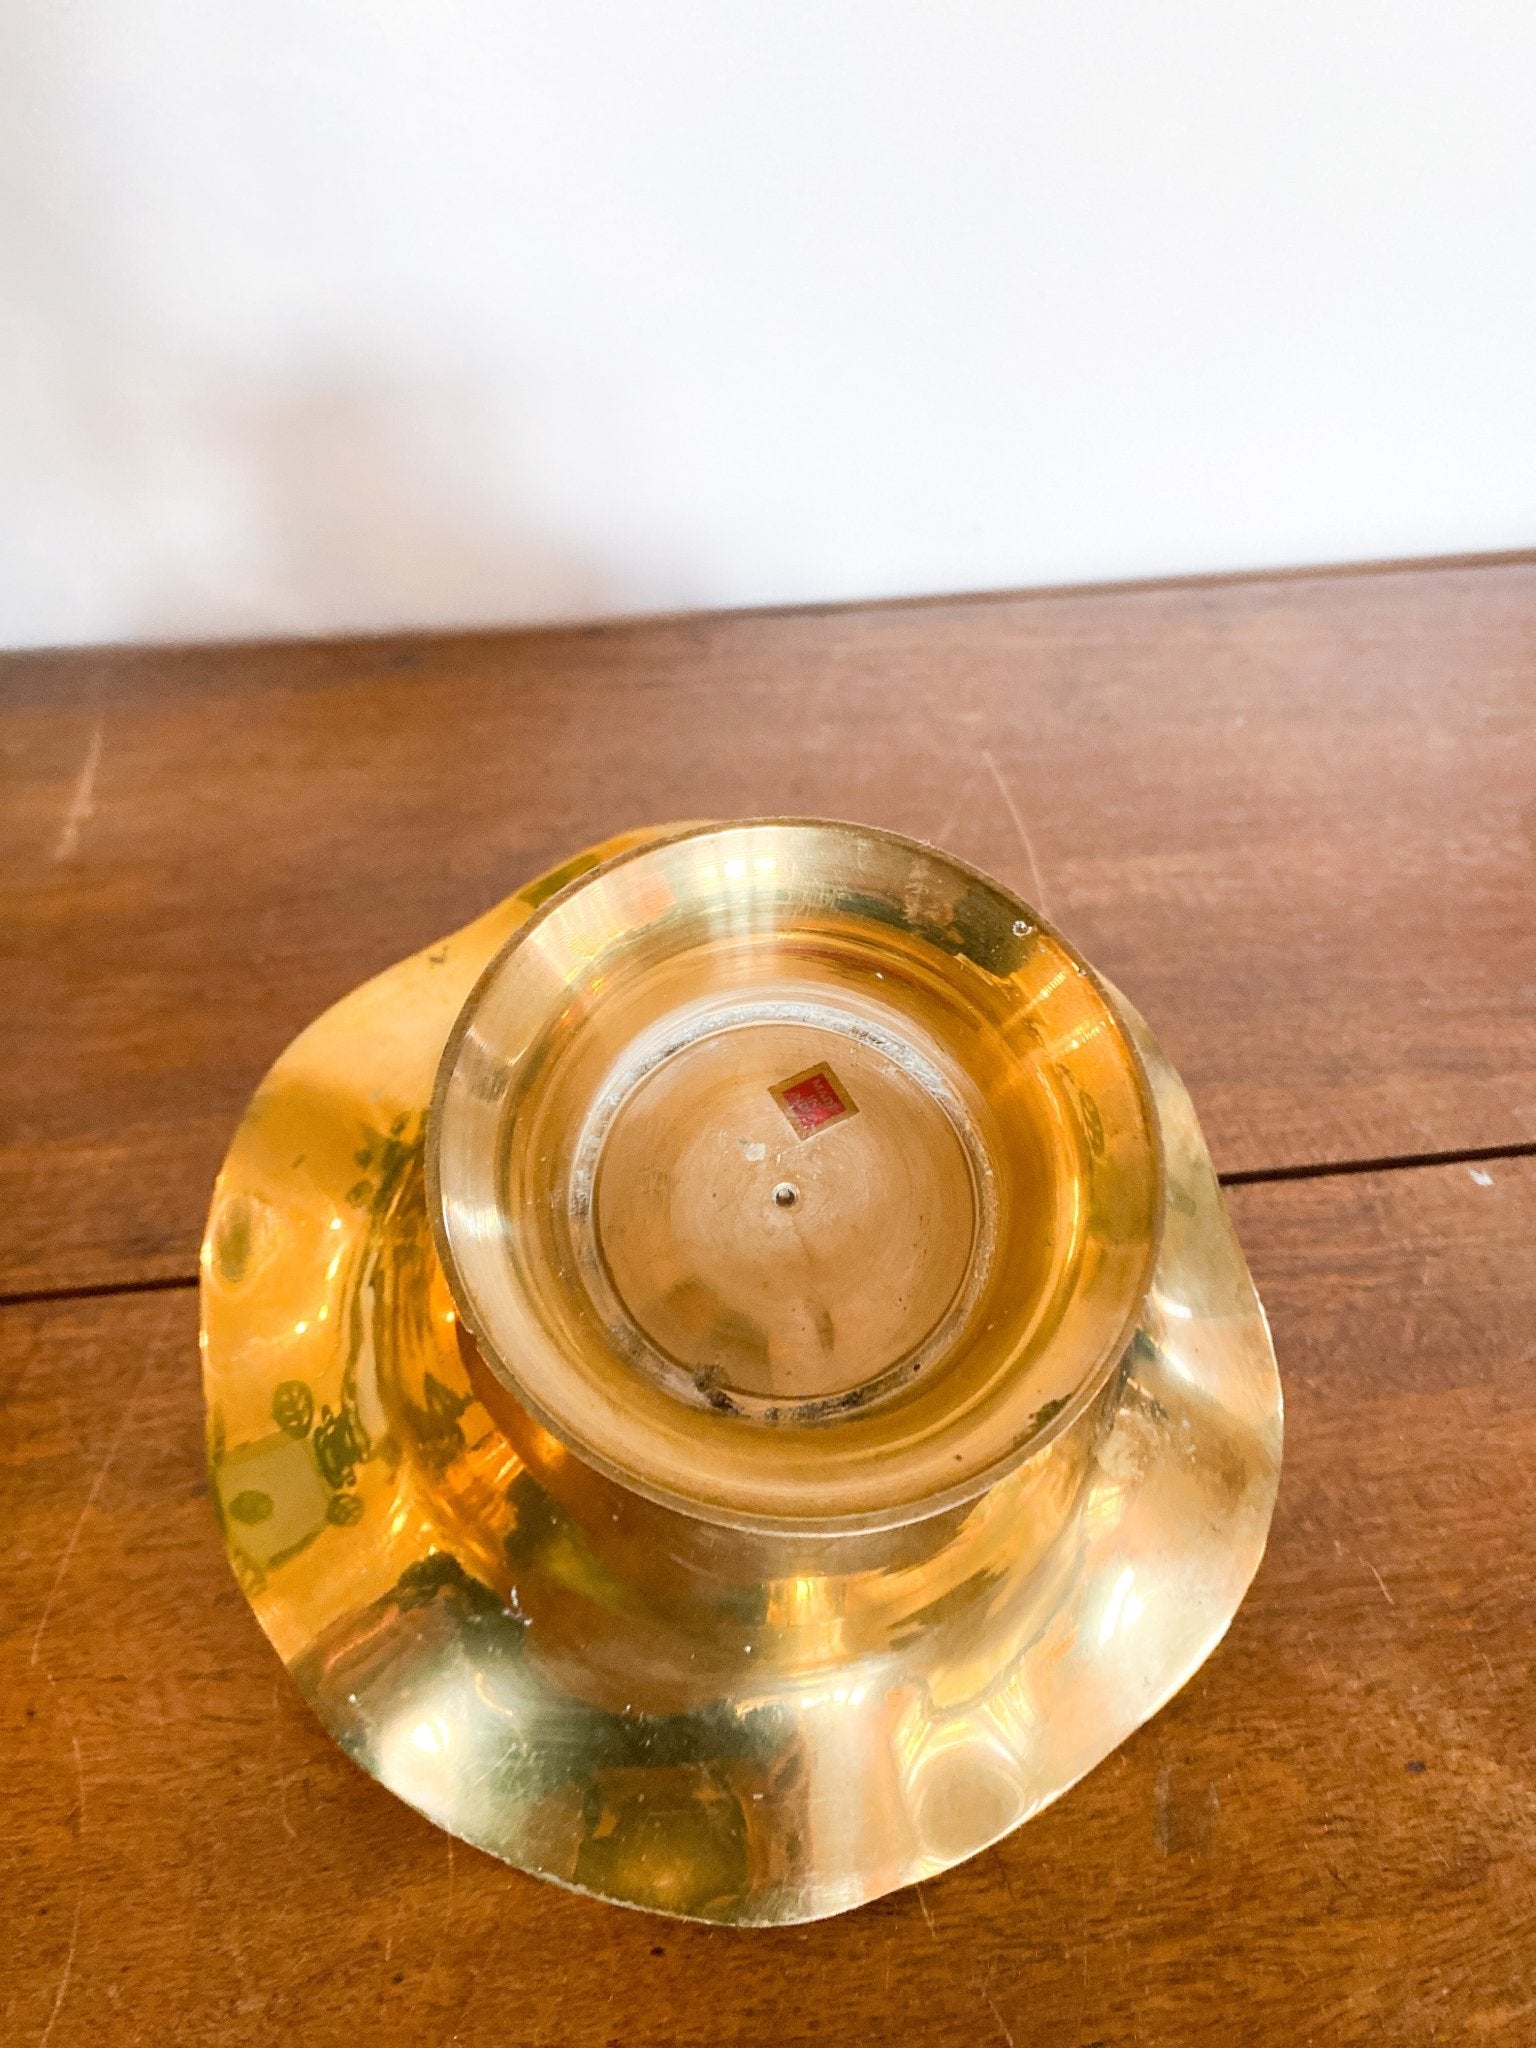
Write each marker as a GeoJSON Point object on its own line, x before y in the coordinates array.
{"type": "Point", "coordinates": [358, 313]}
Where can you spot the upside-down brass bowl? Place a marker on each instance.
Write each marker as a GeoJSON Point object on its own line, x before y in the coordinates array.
{"type": "Point", "coordinates": [731, 1384]}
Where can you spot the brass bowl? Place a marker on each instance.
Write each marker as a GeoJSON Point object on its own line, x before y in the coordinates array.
{"type": "Point", "coordinates": [791, 1406]}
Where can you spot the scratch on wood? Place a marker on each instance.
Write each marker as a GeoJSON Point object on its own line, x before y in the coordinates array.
{"type": "Point", "coordinates": [74, 1743]}
{"type": "Point", "coordinates": [1376, 1575]}
{"type": "Point", "coordinates": [69, 1966]}
{"type": "Point", "coordinates": [90, 1501]}
{"type": "Point", "coordinates": [961, 805]}
{"type": "Point", "coordinates": [1002, 2025]}
{"type": "Point", "coordinates": [1037, 886]}
{"type": "Point", "coordinates": [922, 1901]}
{"type": "Point", "coordinates": [83, 802]}
{"type": "Point", "coordinates": [282, 1808]}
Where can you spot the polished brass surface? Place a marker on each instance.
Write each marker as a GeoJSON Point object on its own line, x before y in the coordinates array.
{"type": "Point", "coordinates": [848, 1416]}
{"type": "Point", "coordinates": [968, 1138]}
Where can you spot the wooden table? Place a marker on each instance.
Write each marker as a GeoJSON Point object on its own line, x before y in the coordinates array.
{"type": "Point", "coordinates": [1293, 816]}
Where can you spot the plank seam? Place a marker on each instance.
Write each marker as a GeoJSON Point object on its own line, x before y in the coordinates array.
{"type": "Point", "coordinates": [1395, 1162]}
{"type": "Point", "coordinates": [1242, 1177]}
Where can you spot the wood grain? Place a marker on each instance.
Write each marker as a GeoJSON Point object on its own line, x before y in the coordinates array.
{"type": "Point", "coordinates": [1330, 1836]}
{"type": "Point", "coordinates": [1293, 817]}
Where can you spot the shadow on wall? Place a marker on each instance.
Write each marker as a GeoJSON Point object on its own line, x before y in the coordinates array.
{"type": "Point", "coordinates": [177, 470]}
{"type": "Point", "coordinates": [344, 503]}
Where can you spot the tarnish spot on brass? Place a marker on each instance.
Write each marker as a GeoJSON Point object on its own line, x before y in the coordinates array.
{"type": "Point", "coordinates": [232, 1240]}
{"type": "Point", "coordinates": [814, 1100]}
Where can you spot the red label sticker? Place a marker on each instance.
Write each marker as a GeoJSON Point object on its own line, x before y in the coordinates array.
{"type": "Point", "coordinates": [812, 1101]}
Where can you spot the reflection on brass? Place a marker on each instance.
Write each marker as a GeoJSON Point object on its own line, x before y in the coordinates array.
{"type": "Point", "coordinates": [732, 1506]}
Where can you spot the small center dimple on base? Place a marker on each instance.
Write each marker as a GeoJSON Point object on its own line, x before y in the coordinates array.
{"type": "Point", "coordinates": [786, 1194]}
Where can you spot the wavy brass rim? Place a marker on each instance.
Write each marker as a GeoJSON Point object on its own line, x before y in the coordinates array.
{"type": "Point", "coordinates": [706, 1722]}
